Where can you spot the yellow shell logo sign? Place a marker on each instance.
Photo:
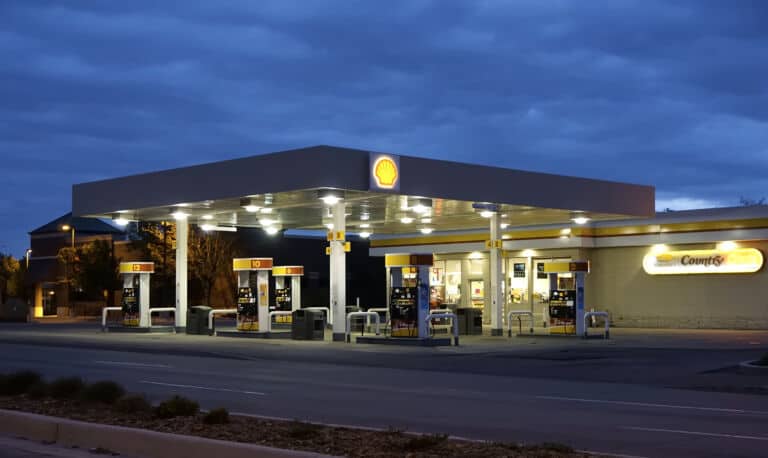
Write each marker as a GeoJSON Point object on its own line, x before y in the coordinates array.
{"type": "Point", "coordinates": [386, 173]}
{"type": "Point", "coordinates": [664, 258]}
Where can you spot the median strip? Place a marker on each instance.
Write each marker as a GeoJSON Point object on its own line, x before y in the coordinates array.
{"type": "Point", "coordinates": [104, 416]}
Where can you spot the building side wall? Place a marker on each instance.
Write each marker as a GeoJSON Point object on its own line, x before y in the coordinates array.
{"type": "Point", "coordinates": [618, 284]}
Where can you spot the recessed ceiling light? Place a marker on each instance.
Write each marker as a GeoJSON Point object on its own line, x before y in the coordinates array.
{"type": "Point", "coordinates": [365, 235]}
{"type": "Point", "coordinates": [504, 225]}
{"type": "Point", "coordinates": [266, 221]}
{"type": "Point", "coordinates": [207, 227]}
{"type": "Point", "coordinates": [659, 248]}
{"type": "Point", "coordinates": [486, 213]}
{"type": "Point", "coordinates": [330, 200]}
{"type": "Point", "coordinates": [580, 219]}
{"type": "Point", "coordinates": [365, 225]}
{"type": "Point", "coordinates": [179, 215]}
{"type": "Point", "coordinates": [406, 220]}
{"type": "Point", "coordinates": [426, 230]}
{"type": "Point", "coordinates": [266, 210]}
{"type": "Point", "coordinates": [329, 226]}
{"type": "Point", "coordinates": [271, 230]}
{"type": "Point", "coordinates": [426, 220]}
{"type": "Point", "coordinates": [727, 246]}
{"type": "Point", "coordinates": [207, 217]}
{"type": "Point", "coordinates": [566, 231]}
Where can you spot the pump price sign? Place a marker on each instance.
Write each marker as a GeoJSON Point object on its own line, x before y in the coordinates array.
{"type": "Point", "coordinates": [137, 267]}
{"type": "Point", "coordinates": [251, 264]}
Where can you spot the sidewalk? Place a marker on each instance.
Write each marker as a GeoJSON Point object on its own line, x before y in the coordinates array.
{"type": "Point", "coordinates": [23, 448]}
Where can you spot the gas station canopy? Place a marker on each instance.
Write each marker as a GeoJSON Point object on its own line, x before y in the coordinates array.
{"type": "Point", "coordinates": [391, 194]}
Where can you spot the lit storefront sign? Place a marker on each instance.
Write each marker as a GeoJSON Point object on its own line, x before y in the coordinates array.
{"type": "Point", "coordinates": [385, 172]}
{"type": "Point", "coordinates": [736, 261]}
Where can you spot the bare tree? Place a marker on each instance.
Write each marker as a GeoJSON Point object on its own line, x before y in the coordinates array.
{"type": "Point", "coordinates": [210, 258]}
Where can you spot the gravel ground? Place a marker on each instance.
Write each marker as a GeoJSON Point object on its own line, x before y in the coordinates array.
{"type": "Point", "coordinates": [291, 435]}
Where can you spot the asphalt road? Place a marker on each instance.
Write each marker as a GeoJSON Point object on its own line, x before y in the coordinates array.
{"type": "Point", "coordinates": [542, 402]}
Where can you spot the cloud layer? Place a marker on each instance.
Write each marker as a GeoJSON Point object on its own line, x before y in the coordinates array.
{"type": "Point", "coordinates": [671, 94]}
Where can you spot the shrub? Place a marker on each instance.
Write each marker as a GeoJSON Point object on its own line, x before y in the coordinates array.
{"type": "Point", "coordinates": [763, 361]}
{"type": "Point", "coordinates": [216, 417]}
{"type": "Point", "coordinates": [177, 406]}
{"type": "Point", "coordinates": [105, 392]}
{"type": "Point", "coordinates": [38, 391]}
{"type": "Point", "coordinates": [18, 382]}
{"type": "Point", "coordinates": [301, 430]}
{"type": "Point", "coordinates": [132, 403]}
{"type": "Point", "coordinates": [67, 387]}
{"type": "Point", "coordinates": [424, 442]}
{"type": "Point", "coordinates": [556, 447]}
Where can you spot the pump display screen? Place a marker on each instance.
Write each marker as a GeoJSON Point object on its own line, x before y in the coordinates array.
{"type": "Point", "coordinates": [404, 312]}
{"type": "Point", "coordinates": [130, 301]}
{"type": "Point", "coordinates": [562, 311]}
{"type": "Point", "coordinates": [246, 302]}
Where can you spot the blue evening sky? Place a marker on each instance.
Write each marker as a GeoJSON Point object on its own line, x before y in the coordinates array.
{"type": "Point", "coordinates": [667, 93]}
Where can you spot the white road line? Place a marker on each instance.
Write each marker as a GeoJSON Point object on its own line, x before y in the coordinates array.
{"type": "Point", "coordinates": [131, 364]}
{"type": "Point", "coordinates": [696, 433]}
{"type": "Point", "coordinates": [649, 404]}
{"type": "Point", "coordinates": [207, 388]}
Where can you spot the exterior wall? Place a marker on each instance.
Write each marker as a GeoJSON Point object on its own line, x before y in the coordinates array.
{"type": "Point", "coordinates": [618, 284]}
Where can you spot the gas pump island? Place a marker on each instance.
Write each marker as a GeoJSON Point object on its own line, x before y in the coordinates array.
{"type": "Point", "coordinates": [407, 300]}
{"type": "Point", "coordinates": [252, 293]}
{"type": "Point", "coordinates": [135, 302]}
{"type": "Point", "coordinates": [566, 297]}
{"type": "Point", "coordinates": [287, 291]}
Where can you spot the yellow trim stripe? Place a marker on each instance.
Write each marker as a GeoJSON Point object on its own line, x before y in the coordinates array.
{"type": "Point", "coordinates": [621, 231]}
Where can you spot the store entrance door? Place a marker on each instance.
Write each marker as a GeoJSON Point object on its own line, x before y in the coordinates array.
{"type": "Point", "coordinates": [49, 302]}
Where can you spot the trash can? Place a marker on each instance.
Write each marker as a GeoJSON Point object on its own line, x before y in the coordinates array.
{"type": "Point", "coordinates": [307, 325]}
{"type": "Point", "coordinates": [197, 319]}
{"type": "Point", "coordinates": [470, 321]}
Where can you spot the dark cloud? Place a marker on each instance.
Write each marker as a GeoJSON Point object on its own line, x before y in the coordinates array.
{"type": "Point", "coordinates": [664, 93]}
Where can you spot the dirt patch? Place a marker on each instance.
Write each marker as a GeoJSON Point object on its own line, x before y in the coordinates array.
{"type": "Point", "coordinates": [291, 434]}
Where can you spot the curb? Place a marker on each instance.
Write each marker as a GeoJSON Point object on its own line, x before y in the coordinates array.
{"type": "Point", "coordinates": [132, 441]}
{"type": "Point", "coordinates": [748, 367]}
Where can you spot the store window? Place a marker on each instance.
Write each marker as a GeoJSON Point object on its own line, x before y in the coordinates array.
{"type": "Point", "coordinates": [452, 281]}
{"type": "Point", "coordinates": [518, 280]}
{"type": "Point", "coordinates": [437, 284]}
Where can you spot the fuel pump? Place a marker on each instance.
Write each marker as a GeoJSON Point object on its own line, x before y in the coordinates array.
{"type": "Point", "coordinates": [136, 292]}
{"type": "Point", "coordinates": [287, 291]}
{"type": "Point", "coordinates": [566, 296]}
{"type": "Point", "coordinates": [252, 293]}
{"type": "Point", "coordinates": [408, 298]}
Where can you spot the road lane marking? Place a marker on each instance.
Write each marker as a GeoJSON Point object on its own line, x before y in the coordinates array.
{"type": "Point", "coordinates": [207, 388]}
{"type": "Point", "coordinates": [649, 404]}
{"type": "Point", "coordinates": [696, 433]}
{"type": "Point", "coordinates": [131, 364]}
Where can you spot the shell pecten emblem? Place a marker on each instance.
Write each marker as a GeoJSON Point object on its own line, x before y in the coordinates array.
{"type": "Point", "coordinates": [385, 172]}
